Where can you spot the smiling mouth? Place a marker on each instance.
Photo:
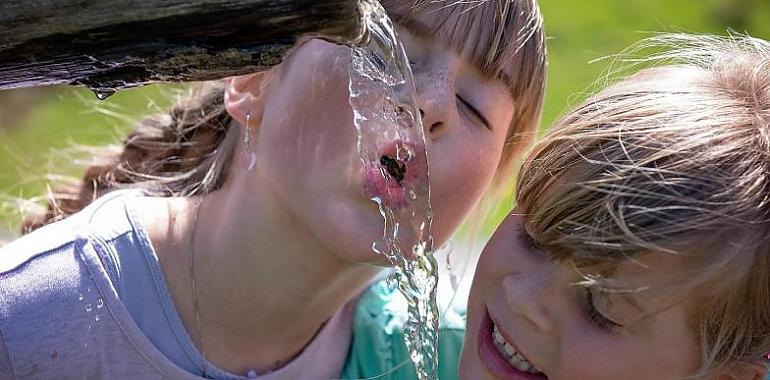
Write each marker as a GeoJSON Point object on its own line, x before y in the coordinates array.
{"type": "Point", "coordinates": [501, 357]}
{"type": "Point", "coordinates": [510, 354]}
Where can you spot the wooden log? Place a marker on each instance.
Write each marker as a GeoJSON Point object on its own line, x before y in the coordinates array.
{"type": "Point", "coordinates": [108, 45]}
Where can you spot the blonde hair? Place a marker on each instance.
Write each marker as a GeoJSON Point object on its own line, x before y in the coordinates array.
{"type": "Point", "coordinates": [674, 159]}
{"type": "Point", "coordinates": [516, 38]}
{"type": "Point", "coordinates": [186, 151]}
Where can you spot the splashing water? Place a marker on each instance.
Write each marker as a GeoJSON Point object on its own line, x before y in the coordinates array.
{"type": "Point", "coordinates": [391, 144]}
{"type": "Point", "coordinates": [103, 93]}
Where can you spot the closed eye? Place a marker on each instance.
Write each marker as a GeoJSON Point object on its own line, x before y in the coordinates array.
{"type": "Point", "coordinates": [596, 317]}
{"type": "Point", "coordinates": [476, 113]}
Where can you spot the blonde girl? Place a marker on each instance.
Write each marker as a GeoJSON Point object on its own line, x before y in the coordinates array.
{"type": "Point", "coordinates": [230, 237]}
{"type": "Point", "coordinates": [639, 247]}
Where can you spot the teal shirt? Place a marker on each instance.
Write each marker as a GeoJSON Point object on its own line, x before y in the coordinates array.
{"type": "Point", "coordinates": [378, 350]}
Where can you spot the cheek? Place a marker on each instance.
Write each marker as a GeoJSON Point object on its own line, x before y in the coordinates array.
{"type": "Point", "coordinates": [664, 348]}
{"type": "Point", "coordinates": [313, 88]}
{"type": "Point", "coordinates": [586, 354]}
{"type": "Point", "coordinates": [307, 125]}
{"type": "Point", "coordinates": [461, 170]}
{"type": "Point", "coordinates": [591, 354]}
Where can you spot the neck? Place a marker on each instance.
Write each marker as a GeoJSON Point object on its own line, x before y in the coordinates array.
{"type": "Point", "coordinates": [264, 284]}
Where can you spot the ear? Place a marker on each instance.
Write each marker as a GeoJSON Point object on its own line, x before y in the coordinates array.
{"type": "Point", "coordinates": [244, 96]}
{"type": "Point", "coordinates": [746, 370]}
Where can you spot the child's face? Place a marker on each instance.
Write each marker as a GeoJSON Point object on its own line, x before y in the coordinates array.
{"type": "Point", "coordinates": [552, 323]}
{"type": "Point", "coordinates": [306, 144]}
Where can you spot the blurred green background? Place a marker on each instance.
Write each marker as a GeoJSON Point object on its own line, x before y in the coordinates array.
{"type": "Point", "coordinates": [39, 127]}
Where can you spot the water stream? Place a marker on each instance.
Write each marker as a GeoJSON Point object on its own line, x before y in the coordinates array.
{"type": "Point", "coordinates": [391, 144]}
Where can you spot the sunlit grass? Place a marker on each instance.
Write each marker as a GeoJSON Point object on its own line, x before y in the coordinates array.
{"type": "Point", "coordinates": [45, 142]}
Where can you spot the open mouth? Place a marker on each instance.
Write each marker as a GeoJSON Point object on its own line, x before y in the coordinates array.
{"type": "Point", "coordinates": [501, 357]}
{"type": "Point", "coordinates": [509, 353]}
{"type": "Point", "coordinates": [395, 168]}
{"type": "Point", "coordinates": [383, 182]}
{"type": "Point", "coordinates": [389, 179]}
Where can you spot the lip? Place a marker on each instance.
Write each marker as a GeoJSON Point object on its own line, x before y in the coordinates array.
{"type": "Point", "coordinates": [491, 358]}
{"type": "Point", "coordinates": [381, 189]}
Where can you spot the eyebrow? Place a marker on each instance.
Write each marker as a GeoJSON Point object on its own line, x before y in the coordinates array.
{"type": "Point", "coordinates": [421, 30]}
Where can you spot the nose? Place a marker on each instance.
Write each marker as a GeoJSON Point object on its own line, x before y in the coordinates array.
{"type": "Point", "coordinates": [435, 98]}
{"type": "Point", "coordinates": [527, 295]}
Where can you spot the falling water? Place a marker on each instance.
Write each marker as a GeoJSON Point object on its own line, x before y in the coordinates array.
{"type": "Point", "coordinates": [391, 144]}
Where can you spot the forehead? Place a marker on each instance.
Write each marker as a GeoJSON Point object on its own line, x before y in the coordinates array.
{"type": "Point", "coordinates": [660, 272]}
{"type": "Point", "coordinates": [489, 33]}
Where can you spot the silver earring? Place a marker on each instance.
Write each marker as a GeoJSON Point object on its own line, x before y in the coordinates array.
{"type": "Point", "coordinates": [248, 157]}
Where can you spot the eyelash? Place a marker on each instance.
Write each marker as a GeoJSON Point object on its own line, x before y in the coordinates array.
{"type": "Point", "coordinates": [473, 110]}
{"type": "Point", "coordinates": [596, 317]}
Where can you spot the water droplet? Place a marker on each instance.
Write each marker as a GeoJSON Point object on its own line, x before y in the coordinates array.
{"type": "Point", "coordinates": [103, 93]}
{"type": "Point", "coordinates": [96, 318]}
{"type": "Point", "coordinates": [80, 297]}
{"type": "Point", "coordinates": [392, 280]}
{"type": "Point", "coordinates": [405, 153]}
{"type": "Point", "coordinates": [99, 303]}
{"type": "Point", "coordinates": [89, 307]}
{"type": "Point", "coordinates": [379, 247]}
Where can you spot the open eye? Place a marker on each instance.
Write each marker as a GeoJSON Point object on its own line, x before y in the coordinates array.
{"type": "Point", "coordinates": [475, 113]}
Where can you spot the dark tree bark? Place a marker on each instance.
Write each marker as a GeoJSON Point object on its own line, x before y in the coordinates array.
{"type": "Point", "coordinates": [114, 44]}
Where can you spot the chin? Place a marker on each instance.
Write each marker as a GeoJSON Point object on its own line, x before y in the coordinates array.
{"type": "Point", "coordinates": [353, 229]}
{"type": "Point", "coordinates": [470, 369]}
{"type": "Point", "coordinates": [348, 230]}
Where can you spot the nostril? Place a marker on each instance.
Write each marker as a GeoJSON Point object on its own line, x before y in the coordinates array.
{"type": "Point", "coordinates": [422, 114]}
{"type": "Point", "coordinates": [436, 128]}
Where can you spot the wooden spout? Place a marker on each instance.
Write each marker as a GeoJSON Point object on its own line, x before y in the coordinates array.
{"type": "Point", "coordinates": [108, 45]}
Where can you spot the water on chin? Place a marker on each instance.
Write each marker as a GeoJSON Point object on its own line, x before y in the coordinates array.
{"type": "Point", "coordinates": [382, 97]}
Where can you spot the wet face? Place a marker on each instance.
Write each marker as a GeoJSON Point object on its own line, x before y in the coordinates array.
{"type": "Point", "coordinates": [527, 319]}
{"type": "Point", "coordinates": [306, 140]}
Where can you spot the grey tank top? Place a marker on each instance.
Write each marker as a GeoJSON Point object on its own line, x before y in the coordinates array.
{"type": "Point", "coordinates": [85, 298]}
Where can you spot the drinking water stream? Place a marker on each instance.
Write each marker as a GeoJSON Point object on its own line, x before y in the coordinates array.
{"type": "Point", "coordinates": [391, 143]}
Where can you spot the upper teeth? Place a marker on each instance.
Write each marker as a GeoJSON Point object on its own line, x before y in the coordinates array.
{"type": "Point", "coordinates": [507, 351]}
